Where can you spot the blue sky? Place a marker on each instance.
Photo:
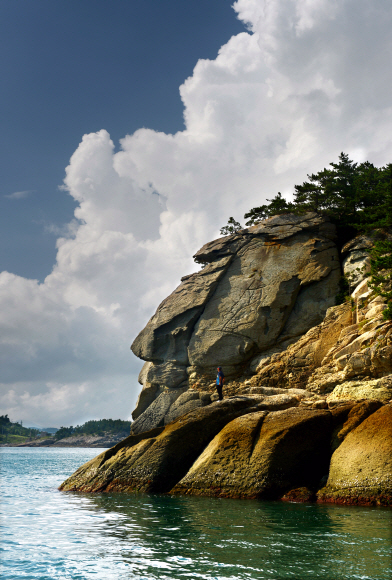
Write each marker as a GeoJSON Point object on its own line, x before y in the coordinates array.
{"type": "Point", "coordinates": [71, 67]}
{"type": "Point", "coordinates": [163, 118]}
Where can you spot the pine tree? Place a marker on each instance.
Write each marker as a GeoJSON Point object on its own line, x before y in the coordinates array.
{"type": "Point", "coordinates": [231, 227]}
{"type": "Point", "coordinates": [276, 206]}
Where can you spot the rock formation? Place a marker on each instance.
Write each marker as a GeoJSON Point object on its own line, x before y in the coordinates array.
{"type": "Point", "coordinates": [262, 287]}
{"type": "Point", "coordinates": [307, 413]}
{"type": "Point", "coordinates": [262, 454]}
{"type": "Point", "coordinates": [361, 468]}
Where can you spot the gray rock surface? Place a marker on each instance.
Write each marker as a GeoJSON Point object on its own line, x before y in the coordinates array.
{"type": "Point", "coordinates": [147, 396]}
{"type": "Point", "coordinates": [271, 291]}
{"type": "Point", "coordinates": [356, 263]}
{"type": "Point", "coordinates": [168, 374]}
{"type": "Point", "coordinates": [186, 402]}
{"type": "Point", "coordinates": [166, 336]}
{"type": "Point", "coordinates": [154, 415]}
{"type": "Point", "coordinates": [261, 287]}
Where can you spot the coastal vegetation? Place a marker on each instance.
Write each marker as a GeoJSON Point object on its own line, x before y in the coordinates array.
{"type": "Point", "coordinates": [95, 427]}
{"type": "Point", "coordinates": [15, 432]}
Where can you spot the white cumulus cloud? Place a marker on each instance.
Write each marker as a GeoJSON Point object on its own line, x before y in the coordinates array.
{"type": "Point", "coordinates": [308, 80]}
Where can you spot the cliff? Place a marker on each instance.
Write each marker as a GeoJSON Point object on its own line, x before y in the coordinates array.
{"type": "Point", "coordinates": [307, 411]}
{"type": "Point", "coordinates": [260, 288]}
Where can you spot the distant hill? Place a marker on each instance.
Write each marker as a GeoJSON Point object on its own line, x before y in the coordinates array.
{"type": "Point", "coordinates": [101, 427]}
{"type": "Point", "coordinates": [14, 433]}
{"type": "Point", "coordinates": [92, 433]}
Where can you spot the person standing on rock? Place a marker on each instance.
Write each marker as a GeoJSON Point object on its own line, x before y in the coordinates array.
{"type": "Point", "coordinates": [220, 378]}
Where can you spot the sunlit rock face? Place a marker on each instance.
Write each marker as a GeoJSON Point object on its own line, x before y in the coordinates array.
{"type": "Point", "coordinates": [262, 286]}
{"type": "Point", "coordinates": [262, 454]}
{"type": "Point", "coordinates": [356, 261]}
{"type": "Point", "coordinates": [361, 467]}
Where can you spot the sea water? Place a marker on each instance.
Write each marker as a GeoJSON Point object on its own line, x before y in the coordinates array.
{"type": "Point", "coordinates": [50, 535]}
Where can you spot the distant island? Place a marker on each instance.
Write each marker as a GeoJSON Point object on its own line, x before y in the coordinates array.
{"type": "Point", "coordinates": [95, 433]}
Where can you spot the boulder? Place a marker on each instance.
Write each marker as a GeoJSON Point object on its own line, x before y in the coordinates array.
{"type": "Point", "coordinates": [373, 389]}
{"type": "Point", "coordinates": [361, 467]}
{"type": "Point", "coordinates": [155, 461]}
{"type": "Point", "coordinates": [262, 455]}
{"type": "Point", "coordinates": [154, 415]}
{"type": "Point", "coordinates": [277, 402]}
{"type": "Point", "coordinates": [186, 402]}
{"type": "Point", "coordinates": [301, 393]}
{"type": "Point", "coordinates": [356, 415]}
{"type": "Point", "coordinates": [299, 495]}
{"type": "Point", "coordinates": [92, 476]}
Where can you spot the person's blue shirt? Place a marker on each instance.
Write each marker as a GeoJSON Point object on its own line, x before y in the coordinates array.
{"type": "Point", "coordinates": [219, 378]}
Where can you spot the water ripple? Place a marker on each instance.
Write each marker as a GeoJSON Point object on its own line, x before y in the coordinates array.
{"type": "Point", "coordinates": [49, 535]}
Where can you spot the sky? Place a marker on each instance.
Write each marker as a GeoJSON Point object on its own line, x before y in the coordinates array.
{"type": "Point", "coordinates": [131, 131]}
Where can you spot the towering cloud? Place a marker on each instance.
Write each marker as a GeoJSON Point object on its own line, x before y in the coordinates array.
{"type": "Point", "coordinates": [309, 79]}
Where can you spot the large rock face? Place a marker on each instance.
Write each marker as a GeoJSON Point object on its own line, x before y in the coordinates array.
{"type": "Point", "coordinates": [361, 467]}
{"type": "Point", "coordinates": [269, 446]}
{"type": "Point", "coordinates": [262, 455]}
{"type": "Point", "coordinates": [260, 287]}
{"type": "Point", "coordinates": [346, 357]}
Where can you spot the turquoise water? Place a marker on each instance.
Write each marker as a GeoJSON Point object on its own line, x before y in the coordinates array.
{"type": "Point", "coordinates": [52, 535]}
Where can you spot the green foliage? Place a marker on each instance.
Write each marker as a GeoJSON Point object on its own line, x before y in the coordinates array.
{"type": "Point", "coordinates": [381, 273]}
{"type": "Point", "coordinates": [344, 290]}
{"type": "Point", "coordinates": [63, 432]}
{"type": "Point", "coordinates": [277, 205]}
{"type": "Point", "coordinates": [15, 432]}
{"type": "Point", "coordinates": [99, 427]}
{"type": "Point", "coordinates": [231, 227]}
{"type": "Point", "coordinates": [353, 195]}
{"type": "Point", "coordinates": [374, 197]}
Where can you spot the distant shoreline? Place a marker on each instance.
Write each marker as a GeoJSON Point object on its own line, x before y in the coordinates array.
{"type": "Point", "coordinates": [88, 441]}
{"type": "Point", "coordinates": [59, 446]}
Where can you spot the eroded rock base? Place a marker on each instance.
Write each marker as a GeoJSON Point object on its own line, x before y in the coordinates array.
{"type": "Point", "coordinates": [256, 446]}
